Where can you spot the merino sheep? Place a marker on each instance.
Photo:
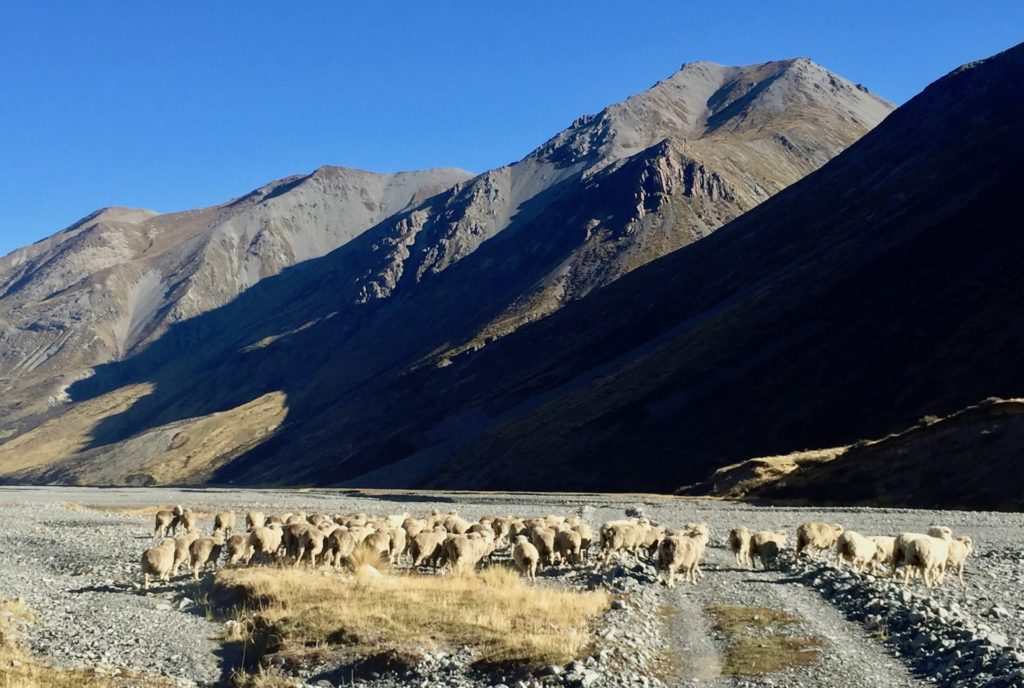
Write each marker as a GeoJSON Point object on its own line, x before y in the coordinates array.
{"type": "Point", "coordinates": [813, 537]}
{"type": "Point", "coordinates": [765, 546]}
{"type": "Point", "coordinates": [619, 536]}
{"type": "Point", "coordinates": [224, 521]}
{"type": "Point", "coordinates": [739, 543]}
{"type": "Point", "coordinates": [568, 546]}
{"type": "Point", "coordinates": [339, 547]}
{"type": "Point", "coordinates": [188, 520]}
{"type": "Point", "coordinates": [237, 548]}
{"type": "Point", "coordinates": [543, 539]}
{"type": "Point", "coordinates": [526, 557]}
{"type": "Point", "coordinates": [181, 553]}
{"type": "Point", "coordinates": [157, 561]}
{"type": "Point", "coordinates": [427, 548]}
{"type": "Point", "coordinates": [205, 550]}
{"type": "Point", "coordinates": [465, 552]}
{"type": "Point", "coordinates": [927, 555]}
{"type": "Point", "coordinates": [255, 519]}
{"type": "Point", "coordinates": [166, 523]}
{"type": "Point", "coordinates": [959, 549]}
{"type": "Point", "coordinates": [680, 552]}
{"type": "Point", "coordinates": [264, 541]}
{"type": "Point", "coordinates": [884, 545]}
{"type": "Point", "coordinates": [856, 549]}
{"type": "Point", "coordinates": [310, 542]}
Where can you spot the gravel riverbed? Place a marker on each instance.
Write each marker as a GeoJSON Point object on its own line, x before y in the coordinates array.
{"type": "Point", "coordinates": [74, 560]}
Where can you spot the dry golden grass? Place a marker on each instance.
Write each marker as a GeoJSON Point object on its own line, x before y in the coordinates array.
{"type": "Point", "coordinates": [122, 510]}
{"type": "Point", "coordinates": [504, 619]}
{"type": "Point", "coordinates": [18, 669]}
{"type": "Point", "coordinates": [757, 642]}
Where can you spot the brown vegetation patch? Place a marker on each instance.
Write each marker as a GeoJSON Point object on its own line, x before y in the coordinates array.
{"type": "Point", "coordinates": [376, 617]}
{"type": "Point", "coordinates": [757, 642]}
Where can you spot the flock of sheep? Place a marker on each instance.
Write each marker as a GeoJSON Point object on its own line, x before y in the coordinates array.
{"type": "Point", "coordinates": [448, 541]}
{"type": "Point", "coordinates": [928, 555]}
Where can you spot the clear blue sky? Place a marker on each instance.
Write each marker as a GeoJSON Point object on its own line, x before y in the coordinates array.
{"type": "Point", "coordinates": [174, 105]}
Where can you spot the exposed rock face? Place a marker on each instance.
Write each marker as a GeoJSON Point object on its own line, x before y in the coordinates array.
{"type": "Point", "coordinates": [117, 279]}
{"type": "Point", "coordinates": [393, 274]}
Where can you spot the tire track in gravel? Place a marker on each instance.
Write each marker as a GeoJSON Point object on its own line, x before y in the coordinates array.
{"type": "Point", "coordinates": [850, 658]}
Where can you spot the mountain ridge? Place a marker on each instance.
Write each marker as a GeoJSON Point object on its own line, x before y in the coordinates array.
{"type": "Point", "coordinates": [417, 284]}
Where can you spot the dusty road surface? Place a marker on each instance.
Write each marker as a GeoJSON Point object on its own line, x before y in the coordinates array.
{"type": "Point", "coordinates": [72, 555]}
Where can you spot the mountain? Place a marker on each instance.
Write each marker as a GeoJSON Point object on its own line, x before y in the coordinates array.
{"type": "Point", "coordinates": [113, 282]}
{"type": "Point", "coordinates": [962, 461]}
{"type": "Point", "coordinates": [880, 289]}
{"type": "Point", "coordinates": [303, 315]}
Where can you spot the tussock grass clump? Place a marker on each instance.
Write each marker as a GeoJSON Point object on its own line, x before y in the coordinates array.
{"type": "Point", "coordinates": [507, 621]}
{"type": "Point", "coordinates": [757, 640]}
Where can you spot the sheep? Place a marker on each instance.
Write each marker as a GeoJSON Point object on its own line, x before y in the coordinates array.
{"type": "Point", "coordinates": [765, 546]}
{"type": "Point", "coordinates": [318, 519]}
{"type": "Point", "coordinates": [224, 521]}
{"type": "Point", "coordinates": [679, 552]}
{"type": "Point", "coordinates": [568, 546]}
{"type": "Point", "coordinates": [255, 519]}
{"type": "Point", "coordinates": [739, 543]}
{"type": "Point", "coordinates": [310, 541]}
{"type": "Point", "coordinates": [856, 549]}
{"type": "Point", "coordinates": [526, 557]}
{"type": "Point", "coordinates": [502, 527]}
{"type": "Point", "coordinates": [157, 561]}
{"type": "Point", "coordinates": [264, 541]}
{"type": "Point", "coordinates": [166, 523]}
{"type": "Point", "coordinates": [543, 539]}
{"type": "Point", "coordinates": [928, 555]}
{"type": "Point", "coordinates": [237, 548]}
{"type": "Point", "coordinates": [651, 537]}
{"type": "Point", "coordinates": [464, 552]}
{"type": "Point", "coordinates": [453, 523]}
{"type": "Point", "coordinates": [900, 551]}
{"type": "Point", "coordinates": [413, 527]}
{"type": "Point", "coordinates": [619, 536]}
{"type": "Point", "coordinates": [702, 534]}
{"type": "Point", "coordinates": [399, 544]}
{"type": "Point", "coordinates": [181, 553]}
{"type": "Point", "coordinates": [586, 538]}
{"type": "Point", "coordinates": [427, 548]}
{"type": "Point", "coordinates": [942, 532]}
{"type": "Point", "coordinates": [884, 545]}
{"type": "Point", "coordinates": [188, 520]}
{"type": "Point", "coordinates": [815, 537]}
{"type": "Point", "coordinates": [339, 547]}
{"type": "Point", "coordinates": [205, 551]}
{"type": "Point", "coordinates": [959, 549]}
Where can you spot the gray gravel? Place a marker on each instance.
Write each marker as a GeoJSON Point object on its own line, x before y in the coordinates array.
{"type": "Point", "coordinates": [77, 570]}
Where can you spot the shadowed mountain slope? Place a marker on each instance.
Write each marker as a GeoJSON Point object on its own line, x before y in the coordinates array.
{"type": "Point", "coordinates": [352, 342]}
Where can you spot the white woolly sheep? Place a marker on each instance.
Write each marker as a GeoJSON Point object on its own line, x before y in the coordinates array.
{"type": "Point", "coordinates": [224, 521]}
{"type": "Point", "coordinates": [884, 545]}
{"type": "Point", "coordinates": [157, 561]}
{"type": "Point", "coordinates": [166, 523]}
{"type": "Point", "coordinates": [525, 556]}
{"type": "Point", "coordinates": [680, 552]}
{"type": "Point", "coordinates": [765, 546]}
{"type": "Point", "coordinates": [856, 549]}
{"type": "Point", "coordinates": [255, 519]}
{"type": "Point", "coordinates": [739, 543]}
{"type": "Point", "coordinates": [959, 549]}
{"type": "Point", "coordinates": [928, 555]}
{"type": "Point", "coordinates": [237, 548]}
{"type": "Point", "coordinates": [813, 537]}
{"type": "Point", "coordinates": [205, 550]}
{"type": "Point", "coordinates": [568, 546]}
